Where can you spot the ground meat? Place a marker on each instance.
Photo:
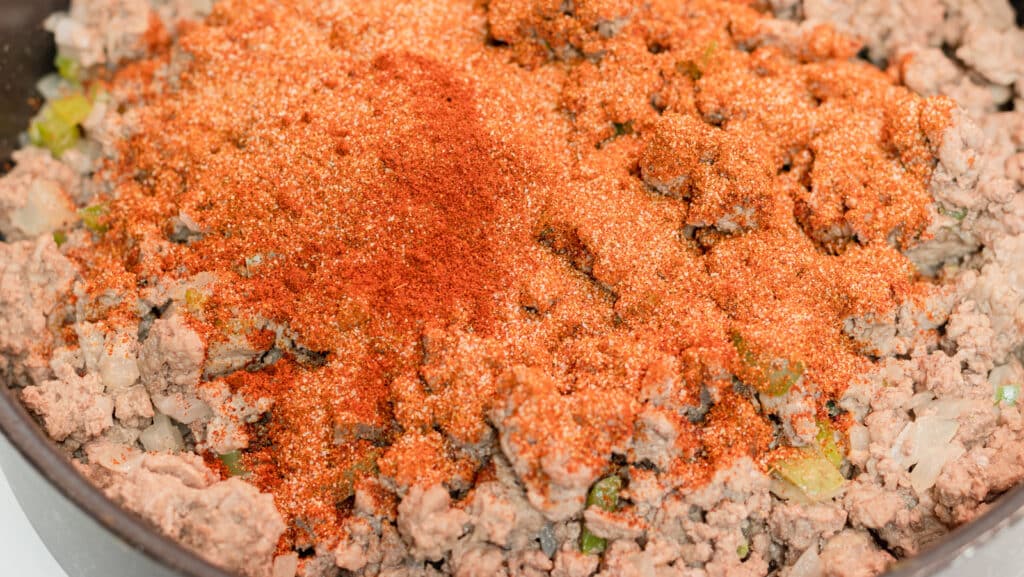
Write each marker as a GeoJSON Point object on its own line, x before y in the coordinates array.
{"type": "Point", "coordinates": [172, 356]}
{"type": "Point", "coordinates": [556, 482]}
{"type": "Point", "coordinates": [226, 430]}
{"type": "Point", "coordinates": [884, 26]}
{"type": "Point", "coordinates": [801, 525]}
{"type": "Point", "coordinates": [603, 283]}
{"type": "Point", "coordinates": [429, 523]}
{"type": "Point", "coordinates": [101, 31]}
{"type": "Point", "coordinates": [853, 554]}
{"type": "Point", "coordinates": [871, 506]}
{"type": "Point", "coordinates": [359, 546]}
{"type": "Point", "coordinates": [226, 520]}
{"type": "Point", "coordinates": [34, 282]}
{"type": "Point", "coordinates": [478, 560]}
{"type": "Point", "coordinates": [132, 406]}
{"type": "Point", "coordinates": [72, 407]}
{"type": "Point", "coordinates": [569, 562]}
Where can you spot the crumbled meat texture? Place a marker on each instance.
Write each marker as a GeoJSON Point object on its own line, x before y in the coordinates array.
{"type": "Point", "coordinates": [172, 356]}
{"type": "Point", "coordinates": [569, 562]}
{"type": "Point", "coordinates": [554, 467]}
{"type": "Point", "coordinates": [72, 407]}
{"type": "Point", "coordinates": [35, 280]}
{"type": "Point", "coordinates": [801, 525]}
{"type": "Point", "coordinates": [853, 554]}
{"type": "Point", "coordinates": [227, 521]}
{"type": "Point", "coordinates": [132, 406]}
{"type": "Point", "coordinates": [111, 31]}
{"type": "Point", "coordinates": [479, 560]}
{"type": "Point", "coordinates": [226, 429]}
{"type": "Point", "coordinates": [467, 444]}
{"type": "Point", "coordinates": [429, 523]}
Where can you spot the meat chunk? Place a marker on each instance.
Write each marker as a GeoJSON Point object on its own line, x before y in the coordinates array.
{"type": "Point", "coordinates": [101, 31]}
{"type": "Point", "coordinates": [34, 279]}
{"type": "Point", "coordinates": [229, 522]}
{"type": "Point", "coordinates": [72, 407]}
{"type": "Point", "coordinates": [853, 554]}
{"type": "Point", "coordinates": [132, 406]}
{"type": "Point", "coordinates": [171, 359]}
{"type": "Point", "coordinates": [226, 430]}
{"type": "Point", "coordinates": [800, 525]}
{"type": "Point", "coordinates": [428, 522]}
{"type": "Point", "coordinates": [557, 472]}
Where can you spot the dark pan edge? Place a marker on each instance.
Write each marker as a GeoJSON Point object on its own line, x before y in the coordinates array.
{"type": "Point", "coordinates": [28, 440]}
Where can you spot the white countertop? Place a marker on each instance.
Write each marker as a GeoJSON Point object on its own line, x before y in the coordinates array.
{"type": "Point", "coordinates": [21, 550]}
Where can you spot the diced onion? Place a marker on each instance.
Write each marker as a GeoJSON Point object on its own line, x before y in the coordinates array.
{"type": "Point", "coordinates": [808, 564]}
{"type": "Point", "coordinates": [115, 457]}
{"type": "Point", "coordinates": [185, 410]}
{"type": "Point", "coordinates": [944, 408]}
{"type": "Point", "coordinates": [46, 209]}
{"type": "Point", "coordinates": [927, 471]}
{"type": "Point", "coordinates": [919, 399]}
{"type": "Point", "coordinates": [50, 86]}
{"type": "Point", "coordinates": [162, 436]}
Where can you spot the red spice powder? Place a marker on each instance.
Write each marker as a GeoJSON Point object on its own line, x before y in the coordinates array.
{"type": "Point", "coordinates": [494, 214]}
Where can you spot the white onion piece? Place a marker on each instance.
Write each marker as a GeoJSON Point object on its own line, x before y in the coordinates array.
{"type": "Point", "coordinates": [808, 565]}
{"type": "Point", "coordinates": [46, 209]}
{"type": "Point", "coordinates": [115, 457]}
{"type": "Point", "coordinates": [944, 408]}
{"type": "Point", "coordinates": [900, 452]}
{"type": "Point", "coordinates": [1003, 374]}
{"type": "Point", "coordinates": [162, 436]}
{"type": "Point", "coordinates": [919, 399]}
{"type": "Point", "coordinates": [185, 410]}
{"type": "Point", "coordinates": [926, 472]}
{"type": "Point", "coordinates": [118, 368]}
{"type": "Point", "coordinates": [860, 438]}
{"type": "Point", "coordinates": [931, 435]}
{"type": "Point", "coordinates": [787, 491]}
{"type": "Point", "coordinates": [50, 86]}
{"type": "Point", "coordinates": [286, 565]}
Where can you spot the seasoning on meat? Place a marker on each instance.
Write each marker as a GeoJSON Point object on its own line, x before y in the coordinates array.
{"type": "Point", "coordinates": [506, 288]}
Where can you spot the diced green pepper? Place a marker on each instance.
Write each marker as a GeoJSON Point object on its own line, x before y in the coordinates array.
{"type": "Point", "coordinates": [72, 109]}
{"type": "Point", "coordinates": [52, 132]}
{"type": "Point", "coordinates": [743, 550]}
{"type": "Point", "coordinates": [827, 441]}
{"type": "Point", "coordinates": [604, 495]}
{"type": "Point", "coordinates": [68, 68]}
{"type": "Point", "coordinates": [1007, 394]}
{"type": "Point", "coordinates": [709, 52]}
{"type": "Point", "coordinates": [194, 300]}
{"type": "Point", "coordinates": [591, 544]}
{"type": "Point", "coordinates": [957, 214]}
{"type": "Point", "coordinates": [365, 465]}
{"type": "Point", "coordinates": [773, 377]}
{"type": "Point", "coordinates": [92, 218]}
{"type": "Point", "coordinates": [781, 379]}
{"type": "Point", "coordinates": [233, 463]}
{"type": "Point", "coordinates": [810, 471]}
{"type": "Point", "coordinates": [60, 237]}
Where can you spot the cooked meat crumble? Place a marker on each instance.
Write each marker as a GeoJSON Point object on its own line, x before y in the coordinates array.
{"type": "Point", "coordinates": [526, 288]}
